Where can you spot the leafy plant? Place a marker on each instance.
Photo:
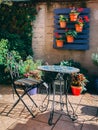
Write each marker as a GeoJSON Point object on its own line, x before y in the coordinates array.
{"type": "Point", "coordinates": [3, 51]}
{"type": "Point", "coordinates": [71, 32]}
{"type": "Point", "coordinates": [78, 79]}
{"type": "Point", "coordinates": [16, 26]}
{"type": "Point", "coordinates": [63, 18]}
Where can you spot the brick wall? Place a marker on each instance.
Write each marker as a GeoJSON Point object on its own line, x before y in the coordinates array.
{"type": "Point", "coordinates": [42, 41]}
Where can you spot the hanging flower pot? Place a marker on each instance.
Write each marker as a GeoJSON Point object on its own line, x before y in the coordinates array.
{"type": "Point", "coordinates": [59, 43]}
{"type": "Point", "coordinates": [73, 17]}
{"type": "Point", "coordinates": [74, 13]}
{"type": "Point", "coordinates": [63, 20]}
{"type": "Point", "coordinates": [62, 24]}
{"type": "Point", "coordinates": [58, 39]}
{"type": "Point", "coordinates": [70, 34]}
{"type": "Point", "coordinates": [70, 38]}
{"type": "Point", "coordinates": [78, 28]}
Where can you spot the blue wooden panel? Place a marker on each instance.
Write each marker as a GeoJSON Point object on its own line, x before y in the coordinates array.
{"type": "Point", "coordinates": [81, 42]}
{"type": "Point", "coordinates": [67, 10]}
{"type": "Point", "coordinates": [72, 47]}
{"type": "Point", "coordinates": [63, 31]}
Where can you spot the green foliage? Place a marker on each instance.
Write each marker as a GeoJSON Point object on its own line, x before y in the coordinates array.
{"type": "Point", "coordinates": [73, 63]}
{"type": "Point", "coordinates": [95, 58]}
{"type": "Point", "coordinates": [16, 26]}
{"type": "Point", "coordinates": [63, 18]}
{"type": "Point", "coordinates": [71, 32]}
{"type": "Point", "coordinates": [3, 51]}
{"type": "Point", "coordinates": [28, 65]}
{"type": "Point", "coordinates": [13, 60]}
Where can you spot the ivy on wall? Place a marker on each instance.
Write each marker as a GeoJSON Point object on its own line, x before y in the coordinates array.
{"type": "Point", "coordinates": [16, 26]}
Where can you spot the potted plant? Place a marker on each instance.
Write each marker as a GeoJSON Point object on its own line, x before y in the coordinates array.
{"type": "Point", "coordinates": [78, 83]}
{"type": "Point", "coordinates": [70, 35]}
{"type": "Point", "coordinates": [59, 39]}
{"type": "Point", "coordinates": [95, 61]}
{"type": "Point", "coordinates": [74, 12]}
{"type": "Point", "coordinates": [80, 22]}
{"type": "Point", "coordinates": [63, 20]}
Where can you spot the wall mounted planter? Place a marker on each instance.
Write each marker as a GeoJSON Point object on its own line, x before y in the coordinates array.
{"type": "Point", "coordinates": [81, 42]}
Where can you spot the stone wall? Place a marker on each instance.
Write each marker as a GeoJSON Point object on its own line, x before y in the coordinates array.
{"type": "Point", "coordinates": [42, 41]}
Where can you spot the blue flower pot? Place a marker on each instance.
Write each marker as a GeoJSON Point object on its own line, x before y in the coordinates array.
{"type": "Point", "coordinates": [33, 91]}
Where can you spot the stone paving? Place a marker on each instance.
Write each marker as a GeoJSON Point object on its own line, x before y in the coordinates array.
{"type": "Point", "coordinates": [85, 106]}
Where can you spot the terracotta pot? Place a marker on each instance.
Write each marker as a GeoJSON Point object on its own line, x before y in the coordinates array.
{"type": "Point", "coordinates": [62, 24]}
{"type": "Point", "coordinates": [73, 17]}
{"type": "Point", "coordinates": [76, 90]}
{"type": "Point", "coordinates": [59, 43]}
{"type": "Point", "coordinates": [78, 28]}
{"type": "Point", "coordinates": [70, 38]}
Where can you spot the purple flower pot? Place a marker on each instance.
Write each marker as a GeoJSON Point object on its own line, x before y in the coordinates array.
{"type": "Point", "coordinates": [33, 91]}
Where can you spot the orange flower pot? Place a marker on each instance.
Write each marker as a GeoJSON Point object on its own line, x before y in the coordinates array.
{"type": "Point", "coordinates": [59, 43]}
{"type": "Point", "coordinates": [62, 24]}
{"type": "Point", "coordinates": [73, 17]}
{"type": "Point", "coordinates": [70, 38]}
{"type": "Point", "coordinates": [76, 90]}
{"type": "Point", "coordinates": [78, 28]}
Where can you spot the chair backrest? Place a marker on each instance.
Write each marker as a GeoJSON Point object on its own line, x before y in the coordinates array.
{"type": "Point", "coordinates": [13, 67]}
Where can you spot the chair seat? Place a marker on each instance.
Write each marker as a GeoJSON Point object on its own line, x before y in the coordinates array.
{"type": "Point", "coordinates": [27, 81]}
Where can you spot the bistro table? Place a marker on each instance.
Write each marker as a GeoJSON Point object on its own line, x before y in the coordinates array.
{"type": "Point", "coordinates": [61, 71]}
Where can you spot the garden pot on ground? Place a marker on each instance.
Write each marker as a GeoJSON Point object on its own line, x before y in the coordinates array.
{"type": "Point", "coordinates": [76, 90]}
{"type": "Point", "coordinates": [33, 91]}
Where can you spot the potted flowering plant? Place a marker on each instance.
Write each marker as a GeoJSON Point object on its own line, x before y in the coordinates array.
{"type": "Point", "coordinates": [78, 83]}
{"type": "Point", "coordinates": [74, 12]}
{"type": "Point", "coordinates": [59, 39]}
{"type": "Point", "coordinates": [63, 20]}
{"type": "Point", "coordinates": [80, 22]}
{"type": "Point", "coordinates": [70, 35]}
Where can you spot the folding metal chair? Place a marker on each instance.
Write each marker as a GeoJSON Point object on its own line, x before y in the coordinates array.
{"type": "Point", "coordinates": [26, 84]}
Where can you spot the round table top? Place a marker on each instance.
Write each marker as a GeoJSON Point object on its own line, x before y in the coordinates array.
{"type": "Point", "coordinates": [59, 69]}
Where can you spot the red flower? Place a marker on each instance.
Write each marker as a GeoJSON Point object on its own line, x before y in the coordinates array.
{"type": "Point", "coordinates": [86, 18]}
{"type": "Point", "coordinates": [58, 36]}
{"type": "Point", "coordinates": [79, 9]}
